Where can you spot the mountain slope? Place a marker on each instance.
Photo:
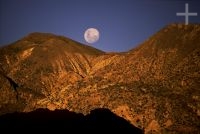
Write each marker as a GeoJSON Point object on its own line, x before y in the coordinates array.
{"type": "Point", "coordinates": [154, 86]}
{"type": "Point", "coordinates": [41, 54]}
{"type": "Point", "coordinates": [39, 61]}
{"type": "Point", "coordinates": [164, 74]}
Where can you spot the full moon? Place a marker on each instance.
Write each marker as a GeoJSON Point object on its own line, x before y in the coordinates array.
{"type": "Point", "coordinates": [91, 35]}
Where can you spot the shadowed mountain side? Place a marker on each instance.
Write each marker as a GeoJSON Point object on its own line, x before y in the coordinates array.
{"type": "Point", "coordinates": [99, 119]}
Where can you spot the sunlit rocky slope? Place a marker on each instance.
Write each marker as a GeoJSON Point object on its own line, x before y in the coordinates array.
{"type": "Point", "coordinates": [155, 86]}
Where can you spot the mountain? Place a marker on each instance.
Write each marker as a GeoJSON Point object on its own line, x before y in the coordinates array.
{"type": "Point", "coordinates": [39, 62]}
{"type": "Point", "coordinates": [154, 86]}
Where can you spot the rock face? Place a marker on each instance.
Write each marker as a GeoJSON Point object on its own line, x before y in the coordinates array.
{"type": "Point", "coordinates": [155, 86]}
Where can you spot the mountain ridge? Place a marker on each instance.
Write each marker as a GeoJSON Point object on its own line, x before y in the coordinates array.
{"type": "Point", "coordinates": [154, 86]}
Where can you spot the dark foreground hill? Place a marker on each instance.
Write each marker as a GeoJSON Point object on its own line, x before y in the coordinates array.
{"type": "Point", "coordinates": [99, 120]}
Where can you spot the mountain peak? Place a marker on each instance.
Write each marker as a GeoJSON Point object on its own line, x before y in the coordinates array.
{"type": "Point", "coordinates": [181, 25]}
{"type": "Point", "coordinates": [182, 37]}
{"type": "Point", "coordinates": [41, 34]}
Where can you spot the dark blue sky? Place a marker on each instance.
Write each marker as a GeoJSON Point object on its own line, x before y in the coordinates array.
{"type": "Point", "coordinates": [123, 24]}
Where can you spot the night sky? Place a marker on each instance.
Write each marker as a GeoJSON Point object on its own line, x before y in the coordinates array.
{"type": "Point", "coordinates": [123, 24]}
